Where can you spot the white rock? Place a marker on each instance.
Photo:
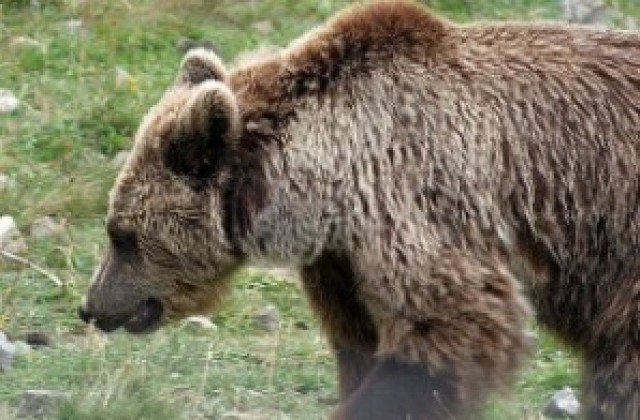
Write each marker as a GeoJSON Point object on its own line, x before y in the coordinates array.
{"type": "Point", "coordinates": [563, 404]}
{"type": "Point", "coordinates": [8, 101]}
{"type": "Point", "coordinates": [8, 228]}
{"type": "Point", "coordinates": [7, 352]}
{"type": "Point", "coordinates": [10, 238]}
{"type": "Point", "coordinates": [120, 159]}
{"type": "Point", "coordinates": [45, 226]}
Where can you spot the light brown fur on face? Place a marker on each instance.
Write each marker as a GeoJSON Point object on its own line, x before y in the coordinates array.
{"type": "Point", "coordinates": [435, 183]}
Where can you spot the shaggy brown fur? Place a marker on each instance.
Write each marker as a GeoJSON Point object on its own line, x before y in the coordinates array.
{"type": "Point", "coordinates": [429, 179]}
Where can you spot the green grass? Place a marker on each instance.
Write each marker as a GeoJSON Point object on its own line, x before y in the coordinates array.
{"type": "Point", "coordinates": [56, 148]}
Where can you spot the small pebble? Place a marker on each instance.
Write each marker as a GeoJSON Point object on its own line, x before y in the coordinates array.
{"type": "Point", "coordinates": [268, 318]}
{"type": "Point", "coordinates": [7, 352]}
{"type": "Point", "coordinates": [39, 403]}
{"type": "Point", "coordinates": [8, 101]}
{"type": "Point", "coordinates": [45, 226]}
{"type": "Point", "coordinates": [562, 404]}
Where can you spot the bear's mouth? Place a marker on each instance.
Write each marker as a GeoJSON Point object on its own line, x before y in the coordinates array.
{"type": "Point", "coordinates": [145, 319]}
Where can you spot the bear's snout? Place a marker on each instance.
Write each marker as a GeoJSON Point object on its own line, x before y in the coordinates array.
{"type": "Point", "coordinates": [145, 318]}
{"type": "Point", "coordinates": [84, 314]}
{"type": "Point", "coordinates": [102, 322]}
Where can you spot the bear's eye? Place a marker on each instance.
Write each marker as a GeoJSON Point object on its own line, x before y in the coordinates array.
{"type": "Point", "coordinates": [122, 240]}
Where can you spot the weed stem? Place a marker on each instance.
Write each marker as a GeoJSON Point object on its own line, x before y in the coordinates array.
{"type": "Point", "coordinates": [33, 266]}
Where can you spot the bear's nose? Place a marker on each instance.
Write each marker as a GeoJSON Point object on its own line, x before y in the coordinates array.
{"type": "Point", "coordinates": [102, 322]}
{"type": "Point", "coordinates": [84, 314]}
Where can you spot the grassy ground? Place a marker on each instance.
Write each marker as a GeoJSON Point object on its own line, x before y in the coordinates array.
{"type": "Point", "coordinates": [57, 149]}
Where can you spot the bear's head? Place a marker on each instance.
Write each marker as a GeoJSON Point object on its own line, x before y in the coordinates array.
{"type": "Point", "coordinates": [169, 248]}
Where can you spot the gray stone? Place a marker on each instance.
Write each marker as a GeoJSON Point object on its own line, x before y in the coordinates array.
{"type": "Point", "coordinates": [630, 23]}
{"type": "Point", "coordinates": [593, 12]}
{"type": "Point", "coordinates": [7, 352]}
{"type": "Point", "coordinates": [563, 404]}
{"type": "Point", "coordinates": [45, 226]}
{"type": "Point", "coordinates": [8, 101]}
{"type": "Point", "coordinates": [39, 403]}
{"type": "Point", "coordinates": [268, 318]}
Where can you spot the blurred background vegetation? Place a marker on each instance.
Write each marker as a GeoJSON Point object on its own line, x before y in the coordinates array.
{"type": "Point", "coordinates": [84, 72]}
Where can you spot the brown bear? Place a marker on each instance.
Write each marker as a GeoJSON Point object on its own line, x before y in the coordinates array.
{"type": "Point", "coordinates": [432, 181]}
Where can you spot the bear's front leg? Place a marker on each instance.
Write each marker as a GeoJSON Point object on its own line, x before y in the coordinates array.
{"type": "Point", "coordinates": [612, 377]}
{"type": "Point", "coordinates": [354, 364]}
{"type": "Point", "coordinates": [397, 389]}
{"type": "Point", "coordinates": [330, 287]}
{"type": "Point", "coordinates": [446, 338]}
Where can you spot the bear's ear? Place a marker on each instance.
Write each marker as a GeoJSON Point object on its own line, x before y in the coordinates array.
{"type": "Point", "coordinates": [200, 65]}
{"type": "Point", "coordinates": [207, 128]}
